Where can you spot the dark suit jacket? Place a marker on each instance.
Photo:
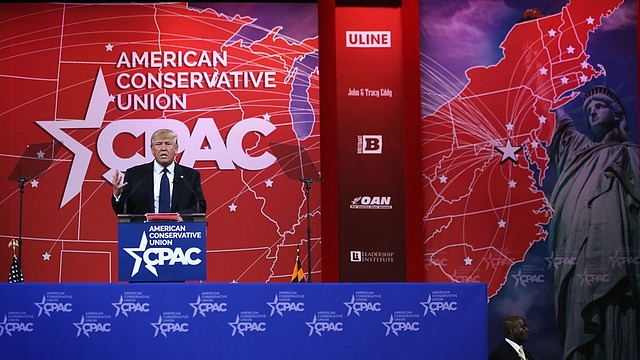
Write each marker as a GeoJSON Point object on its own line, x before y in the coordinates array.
{"type": "Point", "coordinates": [506, 352]}
{"type": "Point", "coordinates": [137, 195]}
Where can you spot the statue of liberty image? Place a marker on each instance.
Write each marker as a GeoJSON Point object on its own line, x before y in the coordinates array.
{"type": "Point", "coordinates": [595, 224]}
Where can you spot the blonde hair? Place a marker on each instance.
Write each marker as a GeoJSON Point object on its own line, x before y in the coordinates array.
{"type": "Point", "coordinates": [164, 133]}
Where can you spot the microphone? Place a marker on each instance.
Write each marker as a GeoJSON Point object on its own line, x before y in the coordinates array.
{"type": "Point", "coordinates": [21, 182]}
{"type": "Point", "coordinates": [131, 193]}
{"type": "Point", "coordinates": [192, 192]}
{"type": "Point", "coordinates": [307, 182]}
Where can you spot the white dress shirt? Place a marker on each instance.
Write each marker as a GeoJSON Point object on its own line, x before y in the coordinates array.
{"type": "Point", "coordinates": [514, 345]}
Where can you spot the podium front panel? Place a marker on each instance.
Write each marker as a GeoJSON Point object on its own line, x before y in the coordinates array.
{"type": "Point", "coordinates": [162, 251]}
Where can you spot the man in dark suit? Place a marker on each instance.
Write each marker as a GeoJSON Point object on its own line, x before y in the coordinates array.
{"type": "Point", "coordinates": [139, 191]}
{"type": "Point", "coordinates": [516, 333]}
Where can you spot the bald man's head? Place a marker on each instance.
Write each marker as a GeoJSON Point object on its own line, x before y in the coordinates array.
{"type": "Point", "coordinates": [515, 329]}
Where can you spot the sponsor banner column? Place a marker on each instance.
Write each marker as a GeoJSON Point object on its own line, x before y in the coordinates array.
{"type": "Point", "coordinates": [370, 140]}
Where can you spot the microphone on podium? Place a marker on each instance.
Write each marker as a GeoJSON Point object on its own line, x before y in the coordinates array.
{"type": "Point", "coordinates": [192, 192]}
{"type": "Point", "coordinates": [131, 193]}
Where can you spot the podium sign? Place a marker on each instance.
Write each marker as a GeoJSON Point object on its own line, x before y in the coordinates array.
{"type": "Point", "coordinates": [162, 251]}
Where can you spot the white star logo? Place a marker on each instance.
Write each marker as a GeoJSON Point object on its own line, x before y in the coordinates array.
{"type": "Point", "coordinates": [273, 304]}
{"type": "Point", "coordinates": [510, 127]}
{"type": "Point", "coordinates": [157, 327]}
{"type": "Point", "coordinates": [34, 183]}
{"type": "Point", "coordinates": [109, 47]}
{"type": "Point", "coordinates": [426, 306]}
{"type": "Point", "coordinates": [542, 119]}
{"type": "Point", "coordinates": [443, 179]}
{"type": "Point", "coordinates": [502, 223]}
{"type": "Point", "coordinates": [509, 152]}
{"type": "Point", "coordinates": [80, 326]}
{"type": "Point", "coordinates": [46, 256]}
{"type": "Point", "coordinates": [118, 307]}
{"type": "Point", "coordinates": [549, 261]}
{"type": "Point", "coordinates": [468, 260]}
{"type": "Point", "coordinates": [312, 326]}
{"type": "Point", "coordinates": [614, 260]}
{"type": "Point", "coordinates": [40, 154]}
{"type": "Point", "coordinates": [141, 248]}
{"type": "Point", "coordinates": [564, 80]}
{"type": "Point", "coordinates": [552, 33]}
{"type": "Point", "coordinates": [544, 70]}
{"type": "Point", "coordinates": [232, 207]}
{"type": "Point", "coordinates": [512, 184]}
{"type": "Point", "coordinates": [349, 305]}
{"type": "Point", "coordinates": [196, 306]}
{"type": "Point", "coordinates": [81, 155]}
{"type": "Point", "coordinates": [234, 325]}
{"type": "Point", "coordinates": [590, 20]}
{"type": "Point", "coordinates": [2, 327]}
{"type": "Point", "coordinates": [40, 306]}
{"type": "Point", "coordinates": [388, 324]}
{"type": "Point", "coordinates": [571, 49]}
{"type": "Point", "coordinates": [518, 278]}
{"type": "Point", "coordinates": [268, 183]}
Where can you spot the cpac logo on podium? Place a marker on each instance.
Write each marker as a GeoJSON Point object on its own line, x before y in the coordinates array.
{"type": "Point", "coordinates": [170, 252]}
{"type": "Point", "coordinates": [161, 256]}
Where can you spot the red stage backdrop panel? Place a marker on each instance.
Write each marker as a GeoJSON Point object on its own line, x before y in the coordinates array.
{"type": "Point", "coordinates": [370, 133]}
{"type": "Point", "coordinates": [238, 83]}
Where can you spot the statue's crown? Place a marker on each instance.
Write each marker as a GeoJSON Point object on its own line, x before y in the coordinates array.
{"type": "Point", "coordinates": [599, 91]}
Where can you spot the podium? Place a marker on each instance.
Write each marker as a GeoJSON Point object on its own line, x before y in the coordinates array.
{"type": "Point", "coordinates": [162, 247]}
